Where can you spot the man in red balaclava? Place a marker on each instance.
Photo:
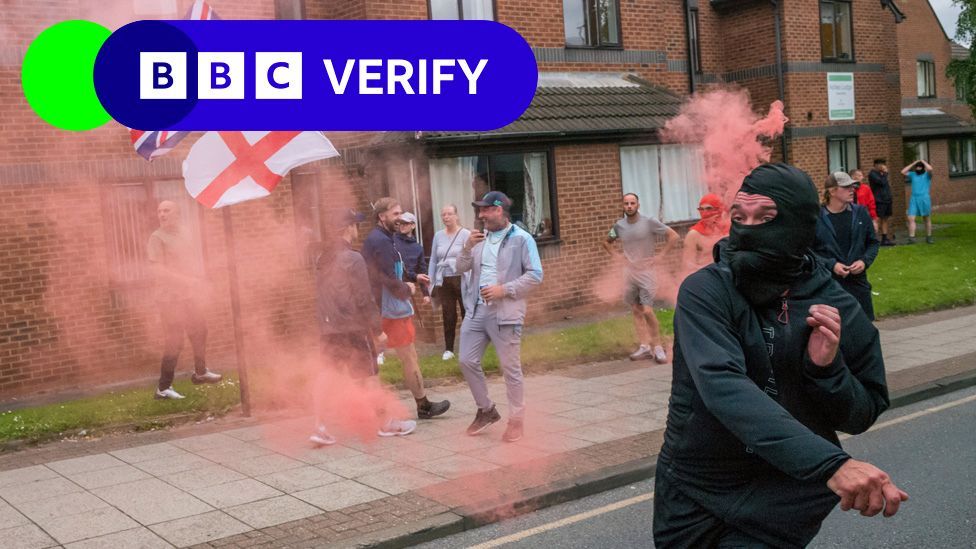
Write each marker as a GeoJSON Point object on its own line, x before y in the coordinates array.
{"type": "Point", "coordinates": [702, 236]}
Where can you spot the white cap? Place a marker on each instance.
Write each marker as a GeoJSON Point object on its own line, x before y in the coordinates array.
{"type": "Point", "coordinates": [407, 217]}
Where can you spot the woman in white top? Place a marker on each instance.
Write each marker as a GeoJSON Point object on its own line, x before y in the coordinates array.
{"type": "Point", "coordinates": [446, 283]}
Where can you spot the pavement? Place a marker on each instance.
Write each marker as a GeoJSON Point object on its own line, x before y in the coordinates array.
{"type": "Point", "coordinates": [257, 483]}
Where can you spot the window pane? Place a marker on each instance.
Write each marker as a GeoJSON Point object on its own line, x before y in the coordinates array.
{"type": "Point", "coordinates": [969, 159]}
{"type": "Point", "coordinates": [827, 31]}
{"type": "Point", "coordinates": [640, 174]}
{"type": "Point", "coordinates": [607, 17]}
{"type": "Point", "coordinates": [682, 182]}
{"type": "Point", "coordinates": [834, 160]}
{"type": "Point", "coordinates": [850, 158]}
{"type": "Point", "coordinates": [574, 20]}
{"type": "Point", "coordinates": [290, 9]}
{"type": "Point", "coordinates": [931, 79]}
{"type": "Point", "coordinates": [508, 171]}
{"type": "Point", "coordinates": [537, 215]}
{"type": "Point", "coordinates": [482, 10]}
{"type": "Point", "coordinates": [444, 9]}
{"type": "Point", "coordinates": [842, 26]}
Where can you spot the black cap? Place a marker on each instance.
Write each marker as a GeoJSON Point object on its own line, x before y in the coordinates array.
{"type": "Point", "coordinates": [346, 217]}
{"type": "Point", "coordinates": [494, 198]}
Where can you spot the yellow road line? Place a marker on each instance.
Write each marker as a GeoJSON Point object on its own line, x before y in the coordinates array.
{"type": "Point", "coordinates": [518, 536]}
{"type": "Point", "coordinates": [565, 521]}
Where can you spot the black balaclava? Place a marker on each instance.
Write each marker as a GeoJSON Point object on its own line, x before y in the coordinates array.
{"type": "Point", "coordinates": [919, 168]}
{"type": "Point", "coordinates": [766, 259]}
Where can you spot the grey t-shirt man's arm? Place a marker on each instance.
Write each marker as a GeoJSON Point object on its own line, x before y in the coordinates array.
{"type": "Point", "coordinates": [638, 239]}
{"type": "Point", "coordinates": [176, 262]}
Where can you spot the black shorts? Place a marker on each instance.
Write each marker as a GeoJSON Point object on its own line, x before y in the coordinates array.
{"type": "Point", "coordinates": [883, 209]}
{"type": "Point", "coordinates": [352, 353]}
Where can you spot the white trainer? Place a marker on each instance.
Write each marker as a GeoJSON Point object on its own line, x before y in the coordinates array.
{"type": "Point", "coordinates": [448, 355]}
{"type": "Point", "coordinates": [379, 359]}
{"type": "Point", "coordinates": [321, 437]}
{"type": "Point", "coordinates": [397, 428]}
{"type": "Point", "coordinates": [659, 355]}
{"type": "Point", "coordinates": [168, 393]}
{"type": "Point", "coordinates": [642, 352]}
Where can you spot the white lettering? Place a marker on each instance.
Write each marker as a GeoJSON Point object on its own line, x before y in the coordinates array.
{"type": "Point", "coordinates": [393, 78]}
{"type": "Point", "coordinates": [339, 86]}
{"type": "Point", "coordinates": [472, 77]}
{"type": "Point", "coordinates": [440, 76]}
{"type": "Point", "coordinates": [365, 76]}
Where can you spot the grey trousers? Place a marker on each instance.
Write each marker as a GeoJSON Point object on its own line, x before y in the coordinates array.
{"type": "Point", "coordinates": [478, 329]}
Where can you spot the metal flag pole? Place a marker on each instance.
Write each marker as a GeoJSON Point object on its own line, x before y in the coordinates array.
{"type": "Point", "coordinates": [235, 305]}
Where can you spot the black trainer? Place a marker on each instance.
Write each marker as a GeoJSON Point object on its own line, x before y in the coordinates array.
{"type": "Point", "coordinates": [514, 431]}
{"type": "Point", "coordinates": [433, 409]}
{"type": "Point", "coordinates": [483, 420]}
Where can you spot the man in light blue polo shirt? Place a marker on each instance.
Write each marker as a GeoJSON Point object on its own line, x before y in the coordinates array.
{"type": "Point", "coordinates": [505, 268]}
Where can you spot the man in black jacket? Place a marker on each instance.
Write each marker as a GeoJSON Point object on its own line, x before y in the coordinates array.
{"type": "Point", "coordinates": [771, 357]}
{"type": "Point", "coordinates": [878, 179]}
{"type": "Point", "coordinates": [349, 321]}
{"type": "Point", "coordinates": [846, 239]}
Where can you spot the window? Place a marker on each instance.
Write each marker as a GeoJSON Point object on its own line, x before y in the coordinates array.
{"type": "Point", "coordinates": [130, 217]}
{"type": "Point", "coordinates": [308, 218]}
{"type": "Point", "coordinates": [483, 10]}
{"type": "Point", "coordinates": [524, 177]}
{"type": "Point", "coordinates": [290, 9]}
{"type": "Point", "coordinates": [962, 91]}
{"type": "Point", "coordinates": [669, 179]}
{"type": "Point", "coordinates": [916, 150]}
{"type": "Point", "coordinates": [841, 154]}
{"type": "Point", "coordinates": [925, 74]}
{"type": "Point", "coordinates": [693, 42]}
{"type": "Point", "coordinates": [591, 23]}
{"type": "Point", "coordinates": [962, 156]}
{"type": "Point", "coordinates": [835, 31]}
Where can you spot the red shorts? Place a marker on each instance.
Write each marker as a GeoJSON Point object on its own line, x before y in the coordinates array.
{"type": "Point", "coordinates": [399, 332]}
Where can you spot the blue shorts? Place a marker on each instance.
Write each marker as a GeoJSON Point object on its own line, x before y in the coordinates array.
{"type": "Point", "coordinates": [920, 205]}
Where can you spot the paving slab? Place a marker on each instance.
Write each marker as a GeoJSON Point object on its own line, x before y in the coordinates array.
{"type": "Point", "coordinates": [356, 466]}
{"type": "Point", "coordinates": [301, 478]}
{"type": "Point", "coordinates": [136, 538]}
{"type": "Point", "coordinates": [24, 475]}
{"type": "Point", "coordinates": [263, 465]}
{"type": "Point", "coordinates": [87, 524]}
{"type": "Point", "coordinates": [10, 517]}
{"type": "Point", "coordinates": [338, 495]}
{"type": "Point", "coordinates": [83, 464]}
{"type": "Point", "coordinates": [28, 536]}
{"type": "Point", "coordinates": [149, 452]}
{"type": "Point", "coordinates": [399, 479]}
{"type": "Point", "coordinates": [456, 466]}
{"type": "Point", "coordinates": [41, 489]}
{"type": "Point", "coordinates": [173, 464]}
{"type": "Point", "coordinates": [199, 528]}
{"type": "Point", "coordinates": [235, 493]}
{"type": "Point", "coordinates": [152, 501]}
{"type": "Point", "coordinates": [203, 477]}
{"type": "Point", "coordinates": [45, 510]}
{"type": "Point", "coordinates": [272, 512]}
{"type": "Point", "coordinates": [108, 477]}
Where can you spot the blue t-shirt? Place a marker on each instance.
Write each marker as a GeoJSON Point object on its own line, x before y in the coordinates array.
{"type": "Point", "coordinates": [920, 183]}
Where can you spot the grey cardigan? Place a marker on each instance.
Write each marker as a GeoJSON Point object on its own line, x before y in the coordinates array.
{"type": "Point", "coordinates": [519, 271]}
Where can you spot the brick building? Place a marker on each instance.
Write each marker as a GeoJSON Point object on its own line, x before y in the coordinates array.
{"type": "Point", "coordinates": [937, 124]}
{"type": "Point", "coordinates": [79, 207]}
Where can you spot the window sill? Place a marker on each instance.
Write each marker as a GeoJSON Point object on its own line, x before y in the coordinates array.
{"type": "Point", "coordinates": [925, 97]}
{"type": "Point", "coordinates": [829, 60]}
{"type": "Point", "coordinates": [962, 175]}
{"type": "Point", "coordinates": [548, 241]}
{"type": "Point", "coordinates": [617, 47]}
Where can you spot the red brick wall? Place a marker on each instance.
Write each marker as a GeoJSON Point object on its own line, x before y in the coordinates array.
{"type": "Point", "coordinates": [921, 34]}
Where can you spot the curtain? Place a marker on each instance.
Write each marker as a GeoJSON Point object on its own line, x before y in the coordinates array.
{"type": "Point", "coordinates": [639, 174]}
{"type": "Point", "coordinates": [536, 209]}
{"type": "Point", "coordinates": [450, 183]}
{"type": "Point", "coordinates": [682, 182]}
{"type": "Point", "coordinates": [478, 9]}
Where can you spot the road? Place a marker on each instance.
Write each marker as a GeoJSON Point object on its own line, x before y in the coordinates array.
{"type": "Point", "coordinates": [928, 448]}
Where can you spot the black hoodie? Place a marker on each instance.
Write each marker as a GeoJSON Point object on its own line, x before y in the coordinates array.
{"type": "Point", "coordinates": [751, 419]}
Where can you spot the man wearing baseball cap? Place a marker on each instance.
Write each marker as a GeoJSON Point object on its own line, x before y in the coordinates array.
{"type": "Point", "coordinates": [505, 268]}
{"type": "Point", "coordinates": [846, 239]}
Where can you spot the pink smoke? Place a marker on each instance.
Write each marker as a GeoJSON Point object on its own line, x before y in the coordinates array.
{"type": "Point", "coordinates": [734, 139]}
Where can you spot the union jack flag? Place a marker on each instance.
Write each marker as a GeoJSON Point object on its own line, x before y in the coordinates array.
{"type": "Point", "coordinates": [150, 144]}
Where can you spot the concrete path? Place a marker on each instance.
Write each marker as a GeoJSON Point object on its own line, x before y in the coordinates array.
{"type": "Point", "coordinates": [264, 485]}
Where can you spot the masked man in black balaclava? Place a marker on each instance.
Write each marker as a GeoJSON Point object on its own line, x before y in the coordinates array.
{"type": "Point", "coordinates": [771, 358]}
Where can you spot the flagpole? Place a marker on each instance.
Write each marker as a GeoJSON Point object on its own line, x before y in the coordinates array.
{"type": "Point", "coordinates": [235, 305]}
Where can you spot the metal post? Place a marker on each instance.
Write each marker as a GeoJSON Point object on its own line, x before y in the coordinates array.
{"type": "Point", "coordinates": [235, 305]}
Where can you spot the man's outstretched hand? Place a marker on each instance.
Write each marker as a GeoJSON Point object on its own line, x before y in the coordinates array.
{"type": "Point", "coordinates": [866, 488]}
{"type": "Point", "coordinates": [825, 338]}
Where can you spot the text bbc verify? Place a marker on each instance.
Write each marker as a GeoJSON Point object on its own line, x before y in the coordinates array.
{"type": "Point", "coordinates": [278, 75]}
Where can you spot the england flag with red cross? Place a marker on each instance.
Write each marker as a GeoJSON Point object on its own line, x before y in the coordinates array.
{"type": "Point", "coordinates": [225, 168]}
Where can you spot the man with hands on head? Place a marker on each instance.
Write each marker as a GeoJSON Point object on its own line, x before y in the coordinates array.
{"type": "Point", "coordinates": [771, 358]}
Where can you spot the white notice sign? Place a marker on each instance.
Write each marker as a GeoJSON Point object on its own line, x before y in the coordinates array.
{"type": "Point", "coordinates": [840, 95]}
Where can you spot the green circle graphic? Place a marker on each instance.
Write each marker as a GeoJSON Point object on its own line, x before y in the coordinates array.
{"type": "Point", "coordinates": [57, 75]}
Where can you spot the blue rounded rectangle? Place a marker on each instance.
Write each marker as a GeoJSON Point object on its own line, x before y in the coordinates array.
{"type": "Point", "coordinates": [315, 75]}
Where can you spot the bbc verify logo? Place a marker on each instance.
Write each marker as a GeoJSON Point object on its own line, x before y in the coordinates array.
{"type": "Point", "coordinates": [278, 75]}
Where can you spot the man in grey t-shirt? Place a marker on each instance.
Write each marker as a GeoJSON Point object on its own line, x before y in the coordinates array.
{"type": "Point", "coordinates": [638, 236]}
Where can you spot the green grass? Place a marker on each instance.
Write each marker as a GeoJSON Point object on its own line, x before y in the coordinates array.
{"type": "Point", "coordinates": [543, 350]}
{"type": "Point", "coordinates": [135, 409]}
{"type": "Point", "coordinates": [923, 277]}
{"type": "Point", "coordinates": [906, 279]}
